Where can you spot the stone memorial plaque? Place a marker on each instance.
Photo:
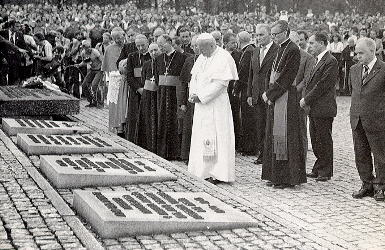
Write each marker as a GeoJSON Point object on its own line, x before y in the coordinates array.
{"type": "Point", "coordinates": [18, 101]}
{"type": "Point", "coordinates": [121, 213]}
{"type": "Point", "coordinates": [36, 144]}
{"type": "Point", "coordinates": [47, 127]}
{"type": "Point", "coordinates": [75, 172]}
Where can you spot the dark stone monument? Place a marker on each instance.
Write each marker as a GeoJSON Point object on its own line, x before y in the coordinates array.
{"type": "Point", "coordinates": [18, 101]}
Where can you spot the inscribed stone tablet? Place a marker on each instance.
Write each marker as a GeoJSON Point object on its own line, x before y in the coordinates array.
{"type": "Point", "coordinates": [47, 127]}
{"type": "Point", "coordinates": [36, 144]}
{"type": "Point", "coordinates": [75, 172]}
{"type": "Point", "coordinates": [121, 213]}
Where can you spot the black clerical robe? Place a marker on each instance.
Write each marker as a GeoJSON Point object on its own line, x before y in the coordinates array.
{"type": "Point", "coordinates": [248, 114]}
{"type": "Point", "coordinates": [148, 115]}
{"type": "Point", "coordinates": [235, 103]}
{"type": "Point", "coordinates": [135, 62]}
{"type": "Point", "coordinates": [187, 48]}
{"type": "Point", "coordinates": [185, 77]}
{"type": "Point", "coordinates": [168, 68]}
{"type": "Point", "coordinates": [127, 49]}
{"type": "Point", "coordinates": [276, 167]}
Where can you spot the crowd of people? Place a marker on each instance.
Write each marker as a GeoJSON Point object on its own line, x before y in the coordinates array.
{"type": "Point", "coordinates": [197, 87]}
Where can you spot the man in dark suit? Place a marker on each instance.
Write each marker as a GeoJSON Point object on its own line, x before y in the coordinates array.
{"type": "Point", "coordinates": [320, 98]}
{"type": "Point", "coordinates": [304, 72]}
{"type": "Point", "coordinates": [258, 81]}
{"type": "Point", "coordinates": [367, 119]}
{"type": "Point", "coordinates": [14, 35]}
{"type": "Point", "coordinates": [185, 36]}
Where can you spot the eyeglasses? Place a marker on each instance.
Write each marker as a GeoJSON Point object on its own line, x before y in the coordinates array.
{"type": "Point", "coordinates": [275, 34]}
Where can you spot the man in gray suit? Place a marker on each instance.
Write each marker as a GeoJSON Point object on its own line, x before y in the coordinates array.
{"type": "Point", "coordinates": [367, 119]}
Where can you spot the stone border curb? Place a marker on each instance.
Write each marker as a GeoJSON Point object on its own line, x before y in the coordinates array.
{"type": "Point", "coordinates": [335, 243]}
{"type": "Point", "coordinates": [89, 241]}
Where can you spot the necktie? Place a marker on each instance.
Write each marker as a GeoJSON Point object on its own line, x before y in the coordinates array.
{"type": "Point", "coordinates": [261, 54]}
{"type": "Point", "coordinates": [12, 38]}
{"type": "Point", "coordinates": [365, 72]}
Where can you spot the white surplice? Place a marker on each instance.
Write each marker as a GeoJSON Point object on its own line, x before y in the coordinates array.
{"type": "Point", "coordinates": [213, 121]}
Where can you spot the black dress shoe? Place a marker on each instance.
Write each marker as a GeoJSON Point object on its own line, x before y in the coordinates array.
{"type": "Point", "coordinates": [269, 184]}
{"type": "Point", "coordinates": [213, 181]}
{"type": "Point", "coordinates": [322, 178]}
{"type": "Point", "coordinates": [312, 175]}
{"type": "Point", "coordinates": [91, 105]}
{"type": "Point", "coordinates": [363, 192]}
{"type": "Point", "coordinates": [379, 195]}
{"type": "Point", "coordinates": [258, 161]}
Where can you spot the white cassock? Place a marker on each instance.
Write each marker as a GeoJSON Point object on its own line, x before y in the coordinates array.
{"type": "Point", "coordinates": [212, 152]}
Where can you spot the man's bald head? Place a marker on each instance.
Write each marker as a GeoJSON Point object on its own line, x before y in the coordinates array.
{"type": "Point", "coordinates": [365, 50]}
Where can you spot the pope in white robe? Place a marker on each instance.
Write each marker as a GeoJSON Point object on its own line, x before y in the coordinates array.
{"type": "Point", "coordinates": [212, 152]}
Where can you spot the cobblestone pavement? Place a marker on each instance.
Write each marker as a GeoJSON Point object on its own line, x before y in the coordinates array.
{"type": "Point", "coordinates": [28, 220]}
{"type": "Point", "coordinates": [311, 216]}
{"type": "Point", "coordinates": [324, 209]}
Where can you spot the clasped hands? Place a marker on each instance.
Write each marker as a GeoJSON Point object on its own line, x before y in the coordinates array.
{"type": "Point", "coordinates": [194, 99]}
{"type": "Point", "coordinates": [265, 99]}
{"type": "Point", "coordinates": [302, 102]}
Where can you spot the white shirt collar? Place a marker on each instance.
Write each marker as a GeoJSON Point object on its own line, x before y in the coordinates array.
{"type": "Point", "coordinates": [244, 46]}
{"type": "Point", "coordinates": [172, 51]}
{"type": "Point", "coordinates": [267, 46]}
{"type": "Point", "coordinates": [284, 41]}
{"type": "Point", "coordinates": [371, 64]}
{"type": "Point", "coordinates": [319, 57]}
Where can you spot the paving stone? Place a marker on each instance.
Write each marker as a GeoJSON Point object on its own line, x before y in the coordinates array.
{"type": "Point", "coordinates": [6, 246]}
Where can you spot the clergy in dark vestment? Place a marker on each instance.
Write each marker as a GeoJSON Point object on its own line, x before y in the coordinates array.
{"type": "Point", "coordinates": [283, 161]}
{"type": "Point", "coordinates": [230, 44]}
{"type": "Point", "coordinates": [186, 107]}
{"type": "Point", "coordinates": [168, 67]}
{"type": "Point", "coordinates": [247, 114]}
{"type": "Point", "coordinates": [148, 116]}
{"type": "Point", "coordinates": [127, 49]}
{"type": "Point", "coordinates": [135, 62]}
{"type": "Point", "coordinates": [260, 69]}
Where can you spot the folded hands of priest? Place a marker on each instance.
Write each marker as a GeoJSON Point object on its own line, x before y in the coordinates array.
{"type": "Point", "coordinates": [194, 99]}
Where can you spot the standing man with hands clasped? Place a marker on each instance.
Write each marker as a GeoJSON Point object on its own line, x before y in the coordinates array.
{"type": "Point", "coordinates": [258, 82]}
{"type": "Point", "coordinates": [320, 100]}
{"type": "Point", "coordinates": [283, 164]}
{"type": "Point", "coordinates": [367, 119]}
{"type": "Point", "coordinates": [212, 152]}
